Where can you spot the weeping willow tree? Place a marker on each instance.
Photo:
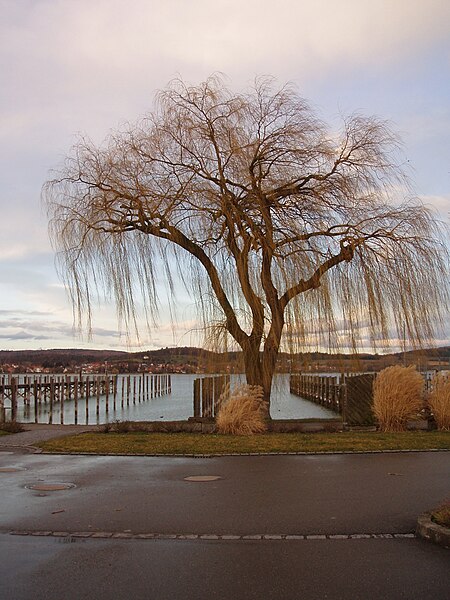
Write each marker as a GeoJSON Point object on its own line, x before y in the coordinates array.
{"type": "Point", "coordinates": [277, 225]}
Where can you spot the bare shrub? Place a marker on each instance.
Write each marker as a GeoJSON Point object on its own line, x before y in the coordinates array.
{"type": "Point", "coordinates": [122, 426]}
{"type": "Point", "coordinates": [12, 427]}
{"type": "Point", "coordinates": [397, 397]}
{"type": "Point", "coordinates": [242, 411]}
{"type": "Point", "coordinates": [439, 400]}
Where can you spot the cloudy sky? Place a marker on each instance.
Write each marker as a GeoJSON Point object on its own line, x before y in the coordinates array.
{"type": "Point", "coordinates": [70, 66]}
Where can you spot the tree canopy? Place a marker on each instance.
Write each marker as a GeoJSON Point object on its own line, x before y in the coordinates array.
{"type": "Point", "coordinates": [277, 224]}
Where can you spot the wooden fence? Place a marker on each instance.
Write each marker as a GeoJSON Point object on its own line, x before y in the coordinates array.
{"type": "Point", "coordinates": [52, 396]}
{"type": "Point", "coordinates": [207, 391]}
{"type": "Point", "coordinates": [351, 396]}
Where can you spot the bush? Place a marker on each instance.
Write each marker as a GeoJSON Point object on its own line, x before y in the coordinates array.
{"type": "Point", "coordinates": [441, 515]}
{"type": "Point", "coordinates": [242, 412]}
{"type": "Point", "coordinates": [123, 427]}
{"type": "Point", "coordinates": [12, 427]}
{"type": "Point", "coordinates": [439, 400]}
{"type": "Point", "coordinates": [397, 397]}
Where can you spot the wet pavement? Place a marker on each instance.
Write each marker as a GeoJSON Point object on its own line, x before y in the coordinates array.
{"type": "Point", "coordinates": [255, 494]}
{"type": "Point", "coordinates": [51, 569]}
{"type": "Point", "coordinates": [238, 531]}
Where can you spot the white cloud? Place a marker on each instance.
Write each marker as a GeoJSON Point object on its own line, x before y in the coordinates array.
{"type": "Point", "coordinates": [441, 204]}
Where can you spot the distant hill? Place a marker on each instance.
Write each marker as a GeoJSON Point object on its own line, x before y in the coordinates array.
{"type": "Point", "coordinates": [198, 358]}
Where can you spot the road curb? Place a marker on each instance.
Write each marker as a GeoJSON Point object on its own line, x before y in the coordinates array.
{"type": "Point", "coordinates": [220, 455]}
{"type": "Point", "coordinates": [431, 531]}
{"type": "Point", "coordinates": [211, 536]}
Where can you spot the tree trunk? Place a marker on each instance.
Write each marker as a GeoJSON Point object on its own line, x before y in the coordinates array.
{"type": "Point", "coordinates": [255, 375]}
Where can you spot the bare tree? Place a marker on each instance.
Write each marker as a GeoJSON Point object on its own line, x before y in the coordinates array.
{"type": "Point", "coordinates": [276, 224]}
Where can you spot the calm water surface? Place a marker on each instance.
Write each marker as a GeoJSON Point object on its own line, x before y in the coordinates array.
{"type": "Point", "coordinates": [175, 406]}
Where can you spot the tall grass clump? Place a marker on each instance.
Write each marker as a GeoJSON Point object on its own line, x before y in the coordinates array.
{"type": "Point", "coordinates": [439, 400]}
{"type": "Point", "coordinates": [242, 411]}
{"type": "Point", "coordinates": [397, 397]}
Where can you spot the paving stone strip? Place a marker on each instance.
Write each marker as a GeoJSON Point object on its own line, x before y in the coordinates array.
{"type": "Point", "coordinates": [210, 536]}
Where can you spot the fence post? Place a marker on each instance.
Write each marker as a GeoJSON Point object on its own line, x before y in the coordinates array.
{"type": "Point", "coordinates": [343, 402]}
{"type": "Point", "coordinates": [52, 398]}
{"type": "Point", "coordinates": [75, 400]}
{"type": "Point", "coordinates": [61, 399]}
{"type": "Point", "coordinates": [197, 392]}
{"type": "Point", "coordinates": [114, 382]}
{"type": "Point", "coordinates": [13, 399]}
{"type": "Point", "coordinates": [2, 401]}
{"type": "Point", "coordinates": [35, 399]}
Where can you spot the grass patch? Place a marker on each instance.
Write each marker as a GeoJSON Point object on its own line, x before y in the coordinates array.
{"type": "Point", "coordinates": [441, 515]}
{"type": "Point", "coordinates": [189, 443]}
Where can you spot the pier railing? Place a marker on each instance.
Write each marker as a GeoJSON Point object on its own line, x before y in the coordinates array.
{"type": "Point", "coordinates": [76, 398]}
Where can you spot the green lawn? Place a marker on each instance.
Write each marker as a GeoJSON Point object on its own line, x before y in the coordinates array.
{"type": "Point", "coordinates": [187, 443]}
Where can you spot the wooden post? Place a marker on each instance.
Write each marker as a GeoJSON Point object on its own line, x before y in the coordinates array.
{"type": "Point", "coordinates": [26, 390]}
{"type": "Point", "coordinates": [114, 391]}
{"type": "Point", "coordinates": [139, 388]}
{"type": "Point", "coordinates": [35, 399]}
{"type": "Point", "coordinates": [86, 400]}
{"type": "Point", "coordinates": [206, 397]}
{"type": "Point", "coordinates": [61, 394]}
{"type": "Point", "coordinates": [128, 389]}
{"type": "Point", "coordinates": [13, 399]}
{"type": "Point", "coordinates": [2, 401]}
{"type": "Point", "coordinates": [52, 398]}
{"type": "Point", "coordinates": [75, 400]}
{"type": "Point", "coordinates": [197, 388]}
{"type": "Point", "coordinates": [134, 389]}
{"type": "Point", "coordinates": [218, 384]}
{"type": "Point", "coordinates": [343, 401]}
{"type": "Point", "coordinates": [106, 393]}
{"type": "Point", "coordinates": [97, 394]}
{"type": "Point", "coordinates": [122, 390]}
{"type": "Point", "coordinates": [40, 391]}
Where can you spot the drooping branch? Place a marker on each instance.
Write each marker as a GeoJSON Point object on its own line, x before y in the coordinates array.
{"type": "Point", "coordinates": [276, 226]}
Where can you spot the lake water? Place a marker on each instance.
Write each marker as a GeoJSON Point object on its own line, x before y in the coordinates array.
{"type": "Point", "coordinates": [178, 405]}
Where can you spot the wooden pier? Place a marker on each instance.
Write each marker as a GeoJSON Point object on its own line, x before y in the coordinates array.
{"type": "Point", "coordinates": [349, 395]}
{"type": "Point", "coordinates": [324, 390]}
{"type": "Point", "coordinates": [50, 395]}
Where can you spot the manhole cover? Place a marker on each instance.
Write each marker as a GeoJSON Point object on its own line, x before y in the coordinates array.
{"type": "Point", "coordinates": [11, 469]}
{"type": "Point", "coordinates": [50, 487]}
{"type": "Point", "coordinates": [202, 478]}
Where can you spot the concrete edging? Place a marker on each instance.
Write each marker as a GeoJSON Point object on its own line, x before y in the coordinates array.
{"type": "Point", "coordinates": [431, 531]}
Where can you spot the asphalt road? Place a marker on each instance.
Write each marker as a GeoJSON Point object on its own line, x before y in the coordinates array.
{"type": "Point", "coordinates": [288, 495]}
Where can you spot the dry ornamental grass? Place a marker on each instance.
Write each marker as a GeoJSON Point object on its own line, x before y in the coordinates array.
{"type": "Point", "coordinates": [397, 397]}
{"type": "Point", "coordinates": [439, 400]}
{"type": "Point", "coordinates": [242, 411]}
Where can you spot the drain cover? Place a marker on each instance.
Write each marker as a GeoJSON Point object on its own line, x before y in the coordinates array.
{"type": "Point", "coordinates": [50, 487]}
{"type": "Point", "coordinates": [202, 478]}
{"type": "Point", "coordinates": [11, 469]}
